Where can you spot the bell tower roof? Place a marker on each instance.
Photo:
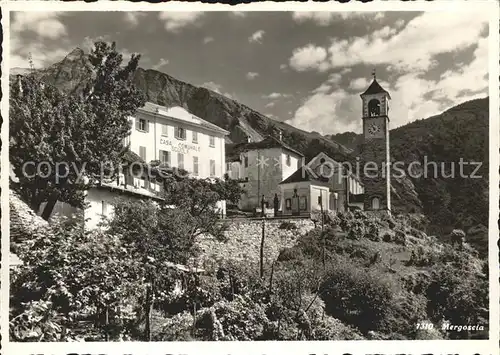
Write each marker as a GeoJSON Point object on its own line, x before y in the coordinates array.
{"type": "Point", "coordinates": [375, 88]}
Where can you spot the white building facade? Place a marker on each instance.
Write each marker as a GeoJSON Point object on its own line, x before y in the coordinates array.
{"type": "Point", "coordinates": [179, 139]}
{"type": "Point", "coordinates": [170, 136]}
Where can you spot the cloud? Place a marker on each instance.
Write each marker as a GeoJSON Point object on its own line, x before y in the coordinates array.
{"type": "Point", "coordinates": [44, 24]}
{"type": "Point", "coordinates": [309, 57]}
{"type": "Point", "coordinates": [276, 95]}
{"type": "Point", "coordinates": [252, 75]}
{"type": "Point", "coordinates": [133, 18]}
{"type": "Point", "coordinates": [88, 42]}
{"type": "Point", "coordinates": [162, 62]}
{"type": "Point", "coordinates": [359, 84]}
{"type": "Point", "coordinates": [327, 112]}
{"type": "Point", "coordinates": [210, 85]}
{"type": "Point", "coordinates": [41, 57]}
{"type": "Point", "coordinates": [256, 37]}
{"type": "Point", "coordinates": [330, 109]}
{"type": "Point", "coordinates": [175, 21]}
{"type": "Point", "coordinates": [325, 18]}
{"type": "Point", "coordinates": [283, 66]}
{"type": "Point", "coordinates": [411, 49]}
{"type": "Point", "coordinates": [270, 104]}
{"type": "Point", "coordinates": [208, 40]}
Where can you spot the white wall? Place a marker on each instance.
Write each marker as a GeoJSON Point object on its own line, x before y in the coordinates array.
{"type": "Point", "coordinates": [295, 161]}
{"type": "Point", "coordinates": [154, 140]}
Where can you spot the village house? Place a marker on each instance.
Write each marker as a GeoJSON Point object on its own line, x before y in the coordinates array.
{"type": "Point", "coordinates": [322, 184]}
{"type": "Point", "coordinates": [273, 172]}
{"type": "Point", "coordinates": [260, 167]}
{"type": "Point", "coordinates": [167, 136]}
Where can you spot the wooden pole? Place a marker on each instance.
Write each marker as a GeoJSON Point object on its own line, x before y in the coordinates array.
{"type": "Point", "coordinates": [322, 228]}
{"type": "Point", "coordinates": [262, 248]}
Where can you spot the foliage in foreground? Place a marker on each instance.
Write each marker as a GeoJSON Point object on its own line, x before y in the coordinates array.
{"type": "Point", "coordinates": [329, 286]}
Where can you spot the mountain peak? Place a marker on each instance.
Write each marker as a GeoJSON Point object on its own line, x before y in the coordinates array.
{"type": "Point", "coordinates": [76, 53]}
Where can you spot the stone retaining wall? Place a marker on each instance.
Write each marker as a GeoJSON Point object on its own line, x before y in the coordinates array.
{"type": "Point", "coordinates": [244, 239]}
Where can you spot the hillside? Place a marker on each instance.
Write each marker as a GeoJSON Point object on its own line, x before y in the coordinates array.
{"type": "Point", "coordinates": [71, 73]}
{"type": "Point", "coordinates": [409, 195]}
{"type": "Point", "coordinates": [460, 132]}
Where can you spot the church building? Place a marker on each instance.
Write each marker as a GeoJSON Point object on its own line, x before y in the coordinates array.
{"type": "Point", "coordinates": [322, 183]}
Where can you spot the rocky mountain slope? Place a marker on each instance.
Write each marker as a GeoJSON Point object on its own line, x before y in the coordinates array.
{"type": "Point", "coordinates": [407, 143]}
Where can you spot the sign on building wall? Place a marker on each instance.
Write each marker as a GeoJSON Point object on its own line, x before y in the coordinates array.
{"type": "Point", "coordinates": [180, 147]}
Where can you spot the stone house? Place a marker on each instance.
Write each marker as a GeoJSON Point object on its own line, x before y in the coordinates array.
{"type": "Point", "coordinates": [260, 167]}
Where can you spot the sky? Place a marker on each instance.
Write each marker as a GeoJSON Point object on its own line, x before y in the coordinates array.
{"type": "Point", "coordinates": [304, 68]}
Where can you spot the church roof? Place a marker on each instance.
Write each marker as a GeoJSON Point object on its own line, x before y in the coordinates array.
{"type": "Point", "coordinates": [303, 174]}
{"type": "Point", "coordinates": [375, 88]}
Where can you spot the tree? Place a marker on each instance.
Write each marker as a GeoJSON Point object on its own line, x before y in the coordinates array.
{"type": "Point", "coordinates": [57, 139]}
{"type": "Point", "coordinates": [71, 278]}
{"type": "Point", "coordinates": [162, 233]}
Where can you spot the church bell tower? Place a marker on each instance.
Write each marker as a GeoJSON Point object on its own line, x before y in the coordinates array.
{"type": "Point", "coordinates": [375, 154]}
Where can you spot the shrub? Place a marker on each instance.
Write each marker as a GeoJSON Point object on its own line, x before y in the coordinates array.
{"type": "Point", "coordinates": [357, 296]}
{"type": "Point", "coordinates": [400, 237]}
{"type": "Point", "coordinates": [237, 279]}
{"type": "Point", "coordinates": [287, 225]}
{"type": "Point", "coordinates": [387, 237]}
{"type": "Point", "coordinates": [356, 230]}
{"type": "Point", "coordinates": [240, 319]}
{"type": "Point", "coordinates": [69, 276]}
{"type": "Point", "coordinates": [457, 296]}
{"type": "Point", "coordinates": [405, 312]}
{"type": "Point", "coordinates": [177, 328]}
{"type": "Point", "coordinates": [288, 254]}
{"type": "Point", "coordinates": [373, 229]}
{"type": "Point", "coordinates": [329, 328]}
{"type": "Point", "coordinates": [345, 220]}
{"type": "Point", "coordinates": [423, 257]}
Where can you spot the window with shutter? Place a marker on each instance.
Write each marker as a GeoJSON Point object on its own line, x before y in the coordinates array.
{"type": "Point", "coordinates": [180, 133]}
{"type": "Point", "coordinates": [212, 167]}
{"type": "Point", "coordinates": [165, 157]}
{"type": "Point", "coordinates": [180, 160]}
{"type": "Point", "coordinates": [195, 166]}
{"type": "Point", "coordinates": [164, 130]}
{"type": "Point", "coordinates": [141, 125]}
{"type": "Point", "coordinates": [142, 153]}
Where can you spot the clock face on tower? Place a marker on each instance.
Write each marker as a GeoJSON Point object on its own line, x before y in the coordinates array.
{"type": "Point", "coordinates": [373, 129]}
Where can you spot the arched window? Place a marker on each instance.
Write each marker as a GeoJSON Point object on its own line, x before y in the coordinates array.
{"type": "Point", "coordinates": [374, 107]}
{"type": "Point", "coordinates": [375, 203]}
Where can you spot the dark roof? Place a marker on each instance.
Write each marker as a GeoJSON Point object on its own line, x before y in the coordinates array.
{"type": "Point", "coordinates": [233, 150]}
{"type": "Point", "coordinates": [24, 223]}
{"type": "Point", "coordinates": [168, 111]}
{"type": "Point", "coordinates": [303, 174]}
{"type": "Point", "coordinates": [131, 157]}
{"type": "Point", "coordinates": [375, 88]}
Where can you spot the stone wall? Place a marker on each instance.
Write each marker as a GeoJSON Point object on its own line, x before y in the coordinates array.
{"type": "Point", "coordinates": [244, 239]}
